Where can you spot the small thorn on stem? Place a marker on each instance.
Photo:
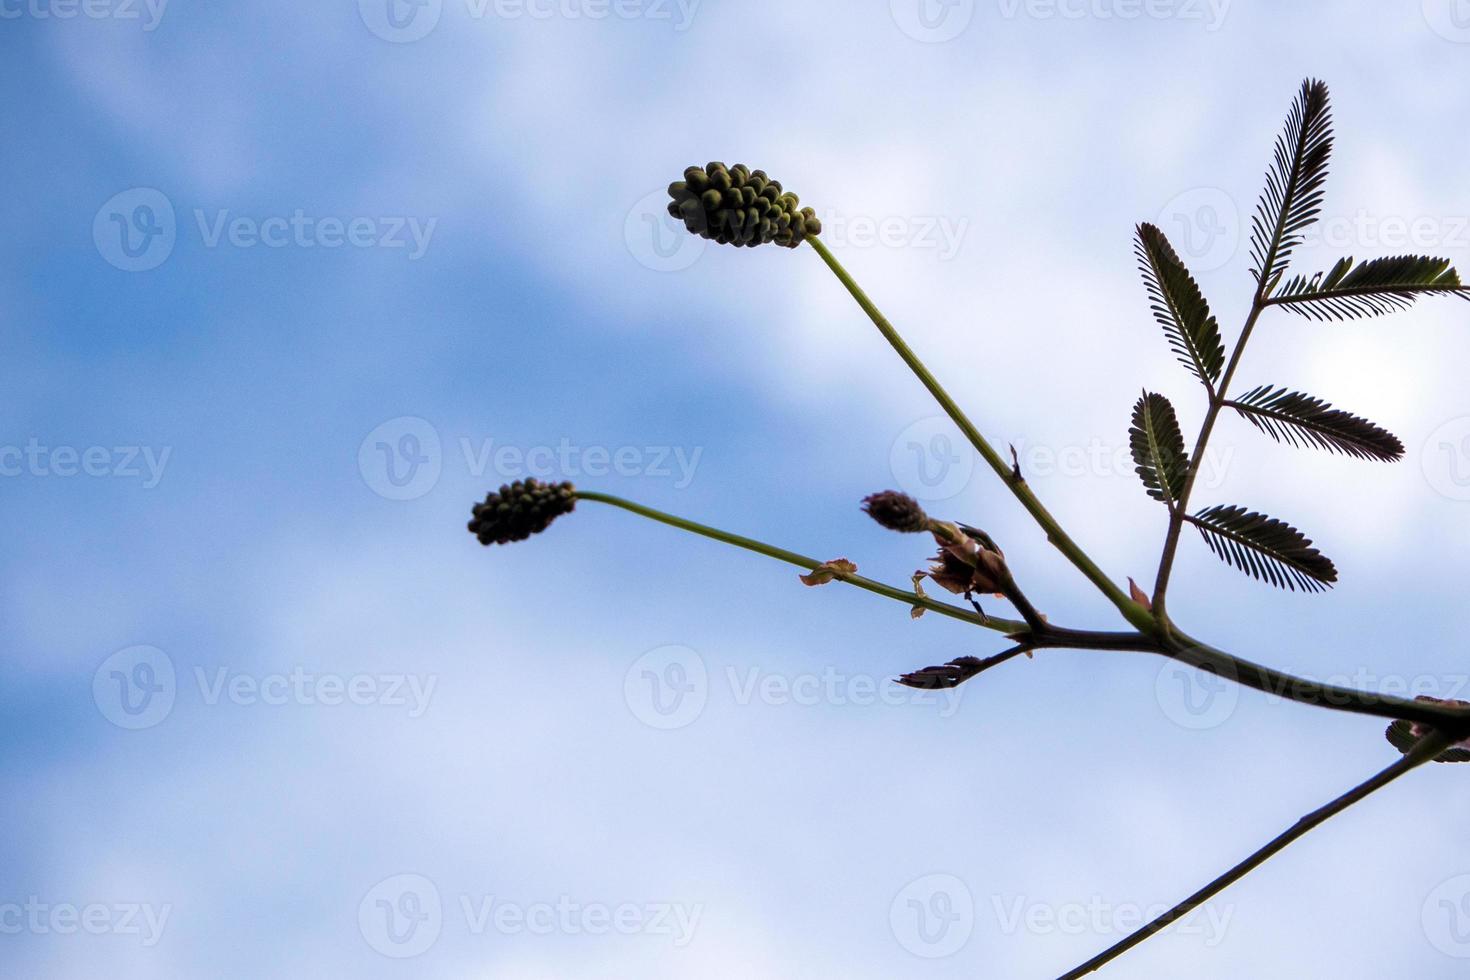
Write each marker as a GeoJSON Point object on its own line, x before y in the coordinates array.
{"type": "Point", "coordinates": [1016, 466]}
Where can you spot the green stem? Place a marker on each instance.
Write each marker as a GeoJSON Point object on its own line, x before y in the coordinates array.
{"type": "Point", "coordinates": [1426, 749]}
{"type": "Point", "coordinates": [907, 596]}
{"type": "Point", "coordinates": [1179, 511]}
{"type": "Point", "coordinates": [1131, 610]}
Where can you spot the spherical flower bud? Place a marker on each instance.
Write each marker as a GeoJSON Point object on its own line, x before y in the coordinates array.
{"type": "Point", "coordinates": [520, 509]}
{"type": "Point", "coordinates": [896, 511]}
{"type": "Point", "coordinates": [739, 206]}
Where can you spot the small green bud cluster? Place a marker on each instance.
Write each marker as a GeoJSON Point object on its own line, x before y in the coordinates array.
{"type": "Point", "coordinates": [738, 206]}
{"type": "Point", "coordinates": [520, 509]}
{"type": "Point", "coordinates": [896, 511]}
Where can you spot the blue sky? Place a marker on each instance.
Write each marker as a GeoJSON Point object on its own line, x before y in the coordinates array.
{"type": "Point", "coordinates": [381, 259]}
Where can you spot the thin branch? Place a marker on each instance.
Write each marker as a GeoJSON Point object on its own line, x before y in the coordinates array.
{"type": "Point", "coordinates": [907, 597]}
{"type": "Point", "coordinates": [1131, 610]}
{"type": "Point", "coordinates": [1188, 650]}
{"type": "Point", "coordinates": [1267, 680]}
{"type": "Point", "coordinates": [1017, 598]}
{"type": "Point", "coordinates": [958, 671]}
{"type": "Point", "coordinates": [1043, 635]}
{"type": "Point", "coordinates": [1427, 748]}
{"type": "Point", "coordinates": [1064, 638]}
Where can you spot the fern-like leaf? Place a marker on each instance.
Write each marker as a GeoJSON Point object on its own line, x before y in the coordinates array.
{"type": "Point", "coordinates": [1265, 548]}
{"type": "Point", "coordinates": [1293, 195]}
{"type": "Point", "coordinates": [1301, 420]}
{"type": "Point", "coordinates": [1371, 288]}
{"type": "Point", "coordinates": [1179, 306]}
{"type": "Point", "coordinates": [1158, 448]}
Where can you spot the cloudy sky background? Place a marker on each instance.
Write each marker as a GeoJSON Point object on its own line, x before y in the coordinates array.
{"type": "Point", "coordinates": [510, 754]}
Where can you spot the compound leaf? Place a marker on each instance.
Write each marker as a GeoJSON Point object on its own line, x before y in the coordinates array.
{"type": "Point", "coordinates": [1301, 420]}
{"type": "Point", "coordinates": [1293, 195]}
{"type": "Point", "coordinates": [1158, 448]}
{"type": "Point", "coordinates": [1371, 288]}
{"type": "Point", "coordinates": [1179, 306]}
{"type": "Point", "coordinates": [1265, 548]}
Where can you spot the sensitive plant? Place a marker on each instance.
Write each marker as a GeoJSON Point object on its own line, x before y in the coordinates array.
{"type": "Point", "coordinates": [735, 205]}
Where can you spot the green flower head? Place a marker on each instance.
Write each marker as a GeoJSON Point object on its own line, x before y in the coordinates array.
{"type": "Point", "coordinates": [520, 509]}
{"type": "Point", "coordinates": [739, 206]}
